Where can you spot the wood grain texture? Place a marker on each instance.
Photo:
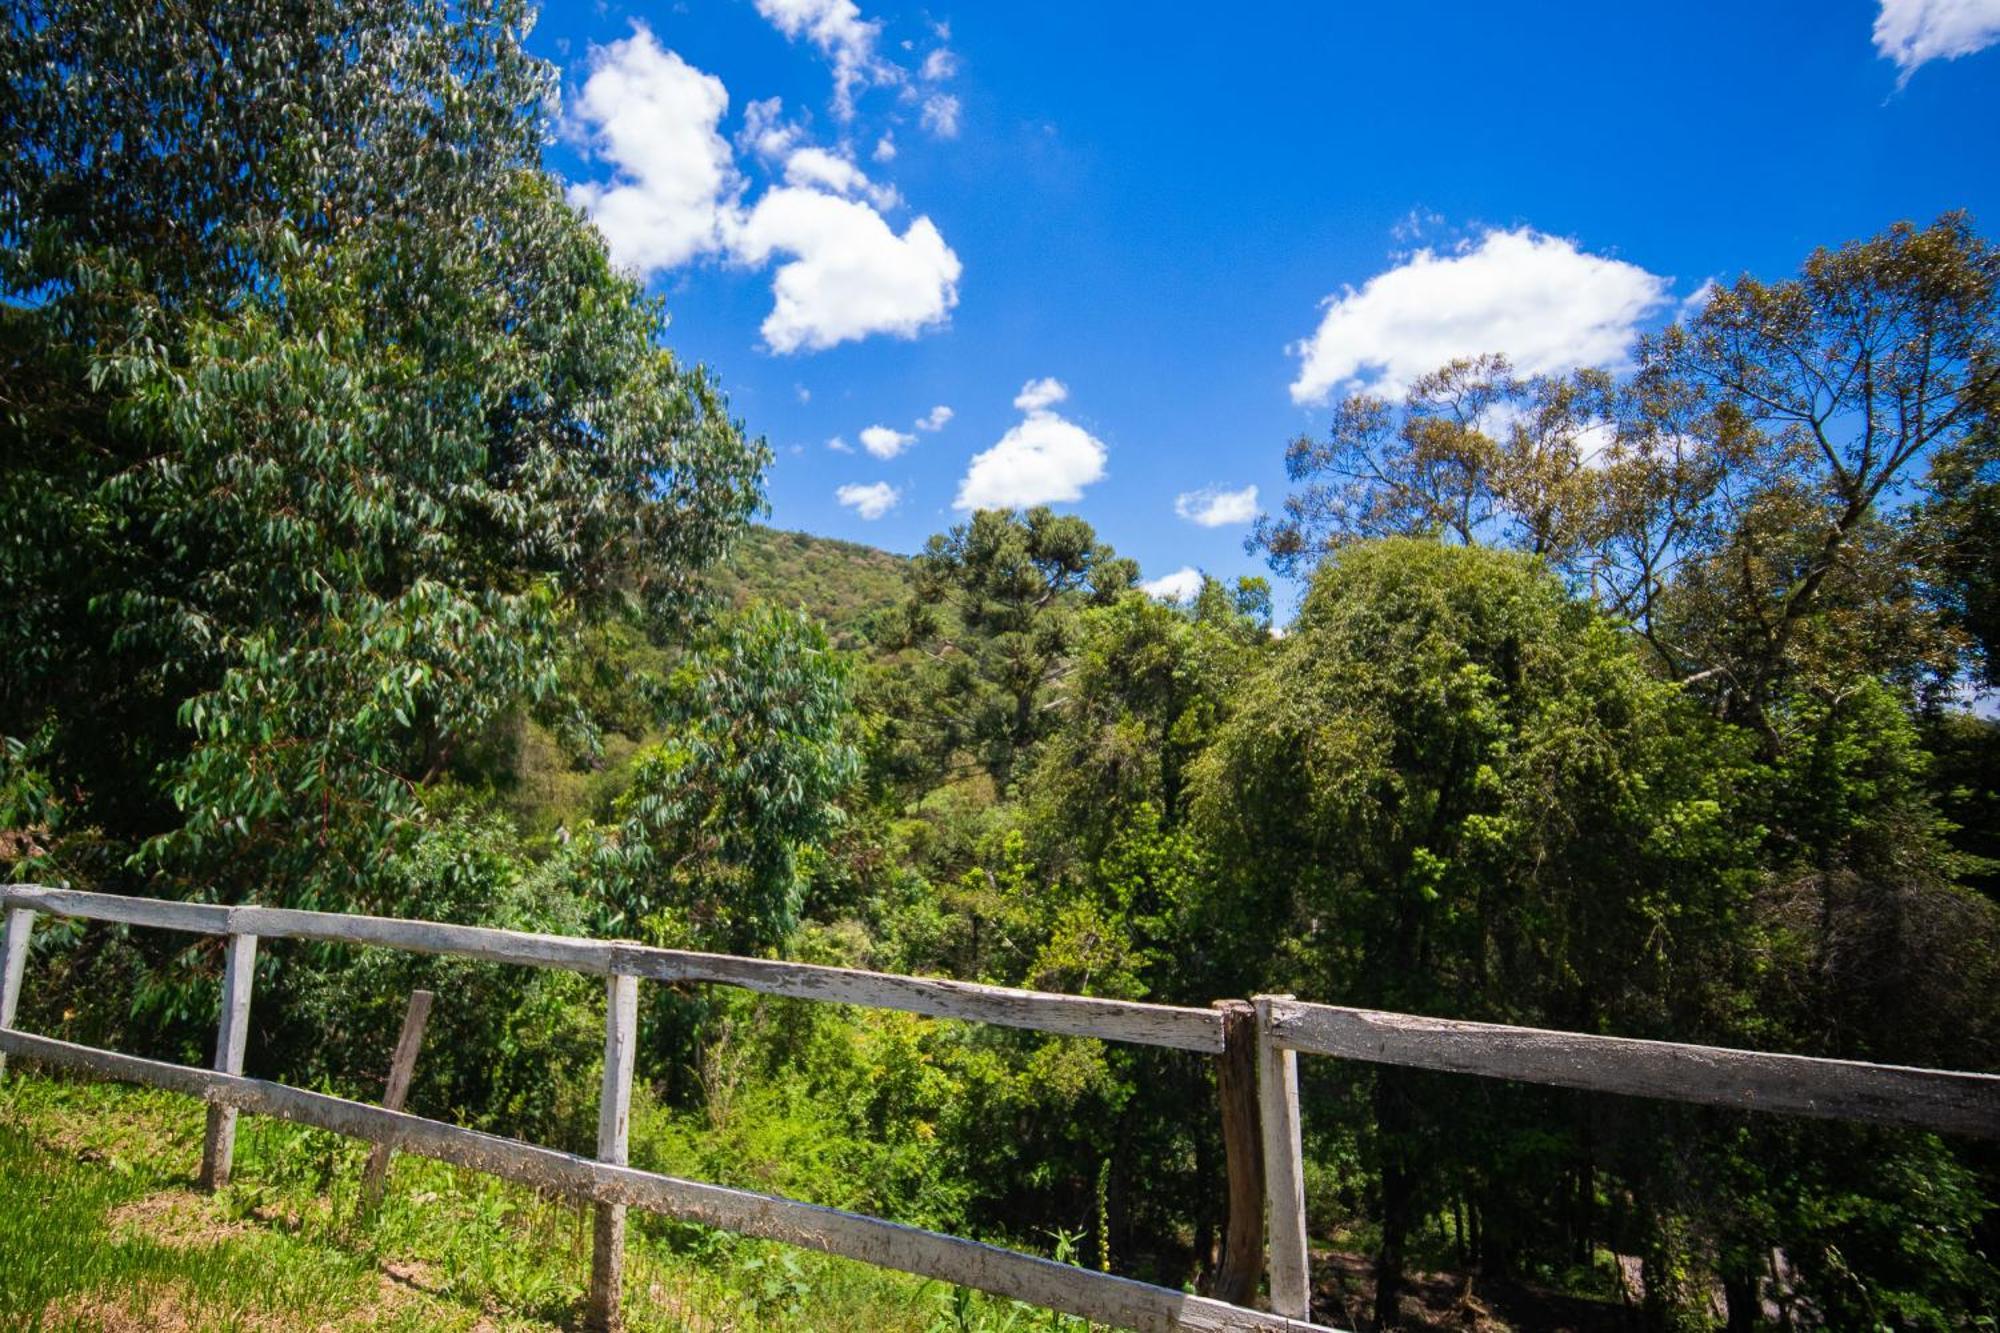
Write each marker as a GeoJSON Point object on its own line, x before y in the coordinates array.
{"type": "Point", "coordinates": [1172, 1026]}
{"type": "Point", "coordinates": [1118, 1301]}
{"type": "Point", "coordinates": [13, 966]}
{"type": "Point", "coordinates": [1284, 1168]}
{"type": "Point", "coordinates": [614, 1130]}
{"type": "Point", "coordinates": [1943, 1100]}
{"type": "Point", "coordinates": [1243, 1154]}
{"type": "Point", "coordinates": [1044, 1011]}
{"type": "Point", "coordinates": [402, 1068]}
{"type": "Point", "coordinates": [239, 971]}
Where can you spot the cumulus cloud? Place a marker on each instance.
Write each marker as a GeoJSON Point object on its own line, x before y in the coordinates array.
{"type": "Point", "coordinates": [1912, 32]}
{"type": "Point", "coordinates": [872, 501]}
{"type": "Point", "coordinates": [1537, 299]}
{"type": "Point", "coordinates": [842, 36]}
{"type": "Point", "coordinates": [822, 168]}
{"type": "Point", "coordinates": [851, 275]}
{"type": "Point", "coordinates": [1183, 585]}
{"type": "Point", "coordinates": [839, 446]}
{"type": "Point", "coordinates": [654, 117]}
{"type": "Point", "coordinates": [765, 130]}
{"type": "Point", "coordinates": [885, 148]}
{"type": "Point", "coordinates": [1038, 394]}
{"type": "Point", "coordinates": [883, 442]}
{"type": "Point", "coordinates": [842, 272]}
{"type": "Point", "coordinates": [1214, 507]}
{"type": "Point", "coordinates": [934, 419]}
{"type": "Point", "coordinates": [939, 115]}
{"type": "Point", "coordinates": [1044, 458]}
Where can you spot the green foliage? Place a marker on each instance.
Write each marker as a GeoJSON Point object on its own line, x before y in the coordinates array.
{"type": "Point", "coordinates": [304, 489]}
{"type": "Point", "coordinates": [705, 842]}
{"type": "Point", "coordinates": [993, 616]}
{"type": "Point", "coordinates": [850, 588]}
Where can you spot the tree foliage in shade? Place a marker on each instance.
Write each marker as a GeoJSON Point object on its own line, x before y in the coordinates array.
{"type": "Point", "coordinates": [327, 423]}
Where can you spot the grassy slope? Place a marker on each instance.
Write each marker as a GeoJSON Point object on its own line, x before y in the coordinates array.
{"type": "Point", "coordinates": [99, 1229]}
{"type": "Point", "coordinates": [841, 583]}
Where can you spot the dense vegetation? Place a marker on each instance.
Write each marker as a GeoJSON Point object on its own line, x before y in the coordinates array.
{"type": "Point", "coordinates": [361, 547]}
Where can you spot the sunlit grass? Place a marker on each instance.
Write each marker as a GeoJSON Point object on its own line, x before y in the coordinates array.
{"type": "Point", "coordinates": [101, 1229]}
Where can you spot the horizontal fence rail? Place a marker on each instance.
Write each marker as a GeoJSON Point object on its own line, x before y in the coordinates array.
{"type": "Point", "coordinates": [607, 1182]}
{"type": "Point", "coordinates": [1942, 1100]}
{"type": "Point", "coordinates": [968, 1263]}
{"type": "Point", "coordinates": [1198, 1030]}
{"type": "Point", "coordinates": [1258, 1046]}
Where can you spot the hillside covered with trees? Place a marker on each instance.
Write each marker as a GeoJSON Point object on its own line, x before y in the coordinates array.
{"type": "Point", "coordinates": [363, 547]}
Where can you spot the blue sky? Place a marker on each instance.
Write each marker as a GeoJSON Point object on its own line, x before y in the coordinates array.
{"type": "Point", "coordinates": [1135, 249]}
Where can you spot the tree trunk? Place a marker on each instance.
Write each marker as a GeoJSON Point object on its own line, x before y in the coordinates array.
{"type": "Point", "coordinates": [1392, 1117]}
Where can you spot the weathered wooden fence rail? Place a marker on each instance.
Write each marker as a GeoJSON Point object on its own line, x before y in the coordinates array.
{"type": "Point", "coordinates": [608, 1182]}
{"type": "Point", "coordinates": [1257, 1047]}
{"type": "Point", "coordinates": [1944, 1101]}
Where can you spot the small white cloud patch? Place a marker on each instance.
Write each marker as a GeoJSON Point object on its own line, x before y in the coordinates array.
{"type": "Point", "coordinates": [1038, 394]}
{"type": "Point", "coordinates": [1214, 507]}
{"type": "Point", "coordinates": [1913, 32]}
{"type": "Point", "coordinates": [1183, 585]}
{"type": "Point", "coordinates": [939, 115]}
{"type": "Point", "coordinates": [935, 419]}
{"type": "Point", "coordinates": [1544, 304]}
{"type": "Point", "coordinates": [1044, 458]}
{"type": "Point", "coordinates": [842, 36]}
{"type": "Point", "coordinates": [871, 501]}
{"type": "Point", "coordinates": [882, 442]}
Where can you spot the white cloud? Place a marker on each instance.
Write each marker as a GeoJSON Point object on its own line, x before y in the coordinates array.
{"type": "Point", "coordinates": [839, 445]}
{"type": "Point", "coordinates": [675, 194]}
{"type": "Point", "coordinates": [765, 130]}
{"type": "Point", "coordinates": [940, 65]}
{"type": "Point", "coordinates": [1537, 299]}
{"type": "Point", "coordinates": [1038, 394]}
{"type": "Point", "coordinates": [934, 419]}
{"type": "Point", "coordinates": [885, 148]}
{"type": "Point", "coordinates": [1043, 459]}
{"type": "Point", "coordinates": [1214, 507]}
{"type": "Point", "coordinates": [1183, 585]}
{"type": "Point", "coordinates": [871, 502]}
{"type": "Point", "coordinates": [885, 443]}
{"type": "Point", "coordinates": [940, 115]}
{"type": "Point", "coordinates": [842, 35]}
{"type": "Point", "coordinates": [1911, 32]}
{"type": "Point", "coordinates": [823, 169]}
{"type": "Point", "coordinates": [1698, 298]}
{"type": "Point", "coordinates": [653, 116]}
{"type": "Point", "coordinates": [851, 275]}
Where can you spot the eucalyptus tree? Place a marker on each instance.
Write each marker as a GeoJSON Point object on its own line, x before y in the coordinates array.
{"type": "Point", "coordinates": [326, 423]}
{"type": "Point", "coordinates": [1739, 499]}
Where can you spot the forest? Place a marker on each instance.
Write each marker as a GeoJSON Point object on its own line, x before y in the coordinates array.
{"type": "Point", "coordinates": [364, 547]}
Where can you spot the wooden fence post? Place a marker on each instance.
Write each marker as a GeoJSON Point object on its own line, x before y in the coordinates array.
{"type": "Point", "coordinates": [13, 964]}
{"type": "Point", "coordinates": [1243, 1154]}
{"type": "Point", "coordinates": [1284, 1173]}
{"type": "Point", "coordinates": [239, 968]}
{"type": "Point", "coordinates": [614, 1124]}
{"type": "Point", "coordinates": [402, 1065]}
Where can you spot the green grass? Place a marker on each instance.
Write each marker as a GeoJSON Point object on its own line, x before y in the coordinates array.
{"type": "Point", "coordinates": [101, 1229]}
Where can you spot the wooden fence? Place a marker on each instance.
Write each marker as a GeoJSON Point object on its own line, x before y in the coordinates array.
{"type": "Point", "coordinates": [1255, 1045]}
